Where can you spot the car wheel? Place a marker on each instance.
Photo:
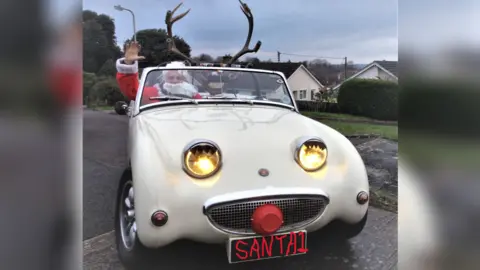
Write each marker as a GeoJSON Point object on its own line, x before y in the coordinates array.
{"type": "Point", "coordinates": [118, 107]}
{"type": "Point", "coordinates": [132, 253]}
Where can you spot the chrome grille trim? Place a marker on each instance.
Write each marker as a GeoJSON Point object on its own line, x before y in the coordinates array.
{"type": "Point", "coordinates": [234, 217]}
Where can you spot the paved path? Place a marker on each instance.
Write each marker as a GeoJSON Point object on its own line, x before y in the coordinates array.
{"type": "Point", "coordinates": [104, 161]}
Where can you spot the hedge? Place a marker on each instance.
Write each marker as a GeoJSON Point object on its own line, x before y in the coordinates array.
{"type": "Point", "coordinates": [442, 106]}
{"type": "Point", "coordinates": [315, 106]}
{"type": "Point", "coordinates": [372, 98]}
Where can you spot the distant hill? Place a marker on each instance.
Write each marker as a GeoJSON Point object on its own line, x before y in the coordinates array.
{"type": "Point", "coordinates": [359, 66]}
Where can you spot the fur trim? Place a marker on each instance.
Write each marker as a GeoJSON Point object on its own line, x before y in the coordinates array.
{"type": "Point", "coordinates": [126, 69]}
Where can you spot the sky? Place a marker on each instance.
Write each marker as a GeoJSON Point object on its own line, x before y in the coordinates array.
{"type": "Point", "coordinates": [362, 31]}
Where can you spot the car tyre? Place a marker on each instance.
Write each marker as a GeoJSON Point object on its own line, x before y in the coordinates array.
{"type": "Point", "coordinates": [137, 255]}
{"type": "Point", "coordinates": [118, 107]}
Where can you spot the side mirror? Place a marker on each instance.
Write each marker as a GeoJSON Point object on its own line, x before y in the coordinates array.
{"type": "Point", "coordinates": [121, 107]}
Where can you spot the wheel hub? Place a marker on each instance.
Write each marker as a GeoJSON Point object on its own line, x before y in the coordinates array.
{"type": "Point", "coordinates": [128, 226]}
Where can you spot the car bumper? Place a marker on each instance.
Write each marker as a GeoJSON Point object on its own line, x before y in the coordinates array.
{"type": "Point", "coordinates": [187, 220]}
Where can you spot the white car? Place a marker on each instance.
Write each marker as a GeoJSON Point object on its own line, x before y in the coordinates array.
{"type": "Point", "coordinates": [251, 173]}
{"type": "Point", "coordinates": [234, 170]}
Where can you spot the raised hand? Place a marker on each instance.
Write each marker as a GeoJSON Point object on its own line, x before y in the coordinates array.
{"type": "Point", "coordinates": [131, 53]}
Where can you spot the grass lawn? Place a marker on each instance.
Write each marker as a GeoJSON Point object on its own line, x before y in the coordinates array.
{"type": "Point", "coordinates": [431, 150]}
{"type": "Point", "coordinates": [386, 131]}
{"type": "Point", "coordinates": [335, 116]}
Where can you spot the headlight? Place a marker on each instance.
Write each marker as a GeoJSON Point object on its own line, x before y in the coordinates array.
{"type": "Point", "coordinates": [311, 154]}
{"type": "Point", "coordinates": [201, 159]}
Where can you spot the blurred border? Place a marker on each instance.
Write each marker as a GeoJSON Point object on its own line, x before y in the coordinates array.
{"type": "Point", "coordinates": [439, 64]}
{"type": "Point", "coordinates": [40, 137]}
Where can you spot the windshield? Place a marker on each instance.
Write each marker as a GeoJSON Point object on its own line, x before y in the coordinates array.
{"type": "Point", "coordinates": [175, 84]}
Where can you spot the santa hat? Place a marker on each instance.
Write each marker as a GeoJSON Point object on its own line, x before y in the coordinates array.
{"type": "Point", "coordinates": [178, 64]}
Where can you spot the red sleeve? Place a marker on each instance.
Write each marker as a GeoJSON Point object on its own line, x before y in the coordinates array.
{"type": "Point", "coordinates": [127, 78]}
{"type": "Point", "coordinates": [128, 84]}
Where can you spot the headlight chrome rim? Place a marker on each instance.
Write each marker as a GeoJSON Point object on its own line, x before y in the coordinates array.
{"type": "Point", "coordinates": [198, 143]}
{"type": "Point", "coordinates": [301, 142]}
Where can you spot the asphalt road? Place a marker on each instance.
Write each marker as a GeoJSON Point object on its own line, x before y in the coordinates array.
{"type": "Point", "coordinates": [104, 160]}
{"type": "Point", "coordinates": [104, 152]}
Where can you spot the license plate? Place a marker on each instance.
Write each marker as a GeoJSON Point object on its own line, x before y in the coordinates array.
{"type": "Point", "coordinates": [266, 247]}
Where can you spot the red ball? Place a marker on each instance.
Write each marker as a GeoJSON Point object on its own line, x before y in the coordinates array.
{"type": "Point", "coordinates": [267, 219]}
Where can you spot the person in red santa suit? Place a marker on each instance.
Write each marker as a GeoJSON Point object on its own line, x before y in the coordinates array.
{"type": "Point", "coordinates": [174, 82]}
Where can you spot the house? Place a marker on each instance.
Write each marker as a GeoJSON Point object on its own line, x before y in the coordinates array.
{"type": "Point", "coordinates": [382, 70]}
{"type": "Point", "coordinates": [303, 84]}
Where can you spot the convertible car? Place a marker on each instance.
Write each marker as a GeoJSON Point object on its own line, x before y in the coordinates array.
{"type": "Point", "coordinates": [239, 166]}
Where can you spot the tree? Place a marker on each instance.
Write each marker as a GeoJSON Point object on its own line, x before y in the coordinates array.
{"type": "Point", "coordinates": [253, 60]}
{"type": "Point", "coordinates": [154, 46]}
{"type": "Point", "coordinates": [204, 58]}
{"type": "Point", "coordinates": [108, 69]}
{"type": "Point", "coordinates": [88, 15]}
{"type": "Point", "coordinates": [226, 58]}
{"type": "Point", "coordinates": [89, 79]}
{"type": "Point", "coordinates": [99, 41]}
{"type": "Point", "coordinates": [94, 46]}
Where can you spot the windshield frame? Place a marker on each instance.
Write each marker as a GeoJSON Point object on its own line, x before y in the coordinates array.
{"type": "Point", "coordinates": [138, 107]}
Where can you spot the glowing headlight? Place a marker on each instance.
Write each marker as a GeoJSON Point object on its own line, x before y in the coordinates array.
{"type": "Point", "coordinates": [311, 155]}
{"type": "Point", "coordinates": [201, 159]}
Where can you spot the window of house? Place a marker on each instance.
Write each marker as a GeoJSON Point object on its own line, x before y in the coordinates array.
{"type": "Point", "coordinates": [312, 95]}
{"type": "Point", "coordinates": [295, 94]}
{"type": "Point", "coordinates": [303, 94]}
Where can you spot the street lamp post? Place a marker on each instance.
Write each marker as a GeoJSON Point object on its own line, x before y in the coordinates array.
{"type": "Point", "coordinates": [120, 8]}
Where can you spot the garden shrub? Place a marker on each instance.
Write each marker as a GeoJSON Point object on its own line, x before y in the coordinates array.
{"type": "Point", "coordinates": [106, 91]}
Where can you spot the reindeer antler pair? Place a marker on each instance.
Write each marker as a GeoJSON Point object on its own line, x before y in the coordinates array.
{"type": "Point", "coordinates": [170, 20]}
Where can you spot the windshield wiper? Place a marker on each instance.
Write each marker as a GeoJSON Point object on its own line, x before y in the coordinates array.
{"type": "Point", "coordinates": [219, 97]}
{"type": "Point", "coordinates": [166, 98]}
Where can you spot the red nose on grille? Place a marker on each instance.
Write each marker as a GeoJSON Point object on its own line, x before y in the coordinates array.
{"type": "Point", "coordinates": [267, 219]}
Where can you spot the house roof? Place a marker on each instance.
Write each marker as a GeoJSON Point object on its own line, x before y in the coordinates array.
{"type": "Point", "coordinates": [310, 74]}
{"type": "Point", "coordinates": [287, 68]}
{"type": "Point", "coordinates": [390, 67]}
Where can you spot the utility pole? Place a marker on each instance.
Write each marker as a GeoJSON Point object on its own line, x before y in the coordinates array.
{"type": "Point", "coordinates": [345, 68]}
{"type": "Point", "coordinates": [278, 56]}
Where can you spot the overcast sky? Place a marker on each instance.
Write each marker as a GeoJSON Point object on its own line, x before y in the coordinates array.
{"type": "Point", "coordinates": [363, 31]}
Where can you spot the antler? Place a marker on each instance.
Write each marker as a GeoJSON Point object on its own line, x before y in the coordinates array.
{"type": "Point", "coordinates": [248, 13]}
{"type": "Point", "coordinates": [170, 20]}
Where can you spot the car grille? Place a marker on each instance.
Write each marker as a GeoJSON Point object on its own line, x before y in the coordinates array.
{"type": "Point", "coordinates": [235, 217]}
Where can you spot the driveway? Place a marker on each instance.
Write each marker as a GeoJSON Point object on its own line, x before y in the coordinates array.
{"type": "Point", "coordinates": [104, 160]}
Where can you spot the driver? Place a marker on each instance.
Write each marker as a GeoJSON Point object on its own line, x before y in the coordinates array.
{"type": "Point", "coordinates": [174, 82]}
